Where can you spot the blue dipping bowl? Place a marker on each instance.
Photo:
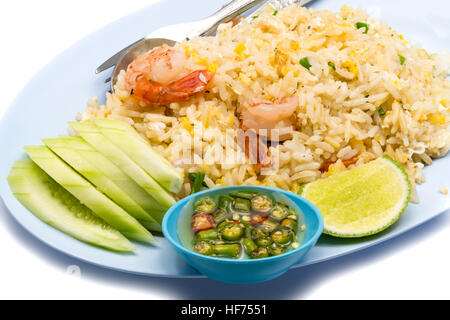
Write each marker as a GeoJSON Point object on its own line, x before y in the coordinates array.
{"type": "Point", "coordinates": [248, 270]}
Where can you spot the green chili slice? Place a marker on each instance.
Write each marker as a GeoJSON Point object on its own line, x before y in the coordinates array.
{"type": "Point", "coordinates": [232, 232]}
{"type": "Point", "coordinates": [210, 235]}
{"type": "Point", "coordinates": [258, 233]}
{"type": "Point", "coordinates": [204, 248]}
{"type": "Point", "coordinates": [264, 242]}
{"type": "Point", "coordinates": [242, 205]}
{"type": "Point", "coordinates": [205, 205]}
{"type": "Point", "coordinates": [269, 225]}
{"type": "Point", "coordinates": [249, 245]}
{"type": "Point", "coordinates": [223, 225]}
{"type": "Point", "coordinates": [220, 215]}
{"type": "Point", "coordinates": [261, 203]}
{"type": "Point", "coordinates": [279, 212]}
{"type": "Point", "coordinates": [275, 250]}
{"type": "Point", "coordinates": [259, 253]}
{"type": "Point", "coordinates": [282, 237]}
{"type": "Point", "coordinates": [228, 250]}
{"type": "Point", "coordinates": [243, 194]}
{"type": "Point", "coordinates": [289, 224]}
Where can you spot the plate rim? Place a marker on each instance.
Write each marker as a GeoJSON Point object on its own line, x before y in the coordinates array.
{"type": "Point", "coordinates": [7, 197]}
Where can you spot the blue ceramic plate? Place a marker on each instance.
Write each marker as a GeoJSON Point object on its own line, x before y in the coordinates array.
{"type": "Point", "coordinates": [62, 88]}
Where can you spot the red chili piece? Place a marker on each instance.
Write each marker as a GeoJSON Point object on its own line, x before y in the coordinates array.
{"type": "Point", "coordinates": [202, 221]}
{"type": "Point", "coordinates": [258, 218]}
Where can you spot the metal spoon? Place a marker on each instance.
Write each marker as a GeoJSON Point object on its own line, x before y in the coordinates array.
{"type": "Point", "coordinates": [171, 34]}
{"type": "Point", "coordinates": [138, 49]}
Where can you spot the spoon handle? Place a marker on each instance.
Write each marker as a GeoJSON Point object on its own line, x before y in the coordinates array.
{"type": "Point", "coordinates": [228, 12]}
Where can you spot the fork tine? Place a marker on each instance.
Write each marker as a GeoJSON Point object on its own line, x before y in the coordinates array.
{"type": "Point", "coordinates": [111, 62]}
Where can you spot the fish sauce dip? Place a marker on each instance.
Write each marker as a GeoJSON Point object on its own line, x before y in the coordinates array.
{"type": "Point", "coordinates": [241, 225]}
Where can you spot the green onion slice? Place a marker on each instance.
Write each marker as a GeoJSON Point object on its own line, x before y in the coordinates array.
{"type": "Point", "coordinates": [360, 25]}
{"type": "Point", "coordinates": [332, 65]}
{"type": "Point", "coordinates": [305, 63]}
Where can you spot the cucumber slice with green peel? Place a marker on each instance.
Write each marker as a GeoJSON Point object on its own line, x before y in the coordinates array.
{"type": "Point", "coordinates": [54, 205]}
{"type": "Point", "coordinates": [361, 201]}
{"type": "Point", "coordinates": [120, 178]}
{"type": "Point", "coordinates": [97, 178]}
{"type": "Point", "coordinates": [84, 191]}
{"type": "Point", "coordinates": [152, 226]}
{"type": "Point", "coordinates": [92, 135]}
{"type": "Point", "coordinates": [129, 141]}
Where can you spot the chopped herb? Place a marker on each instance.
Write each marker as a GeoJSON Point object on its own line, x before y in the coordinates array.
{"type": "Point", "coordinates": [332, 65]}
{"type": "Point", "coordinates": [275, 12]}
{"type": "Point", "coordinates": [381, 112]}
{"type": "Point", "coordinates": [192, 175]}
{"type": "Point", "coordinates": [254, 17]}
{"type": "Point", "coordinates": [305, 63]}
{"type": "Point", "coordinates": [360, 25]}
{"type": "Point", "coordinates": [198, 179]}
{"type": "Point", "coordinates": [132, 92]}
{"type": "Point", "coordinates": [402, 59]}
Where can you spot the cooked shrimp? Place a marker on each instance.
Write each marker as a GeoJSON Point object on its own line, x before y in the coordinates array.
{"type": "Point", "coordinates": [266, 116]}
{"type": "Point", "coordinates": [159, 77]}
{"type": "Point", "coordinates": [326, 165]}
{"type": "Point", "coordinates": [271, 116]}
{"type": "Point", "coordinates": [255, 149]}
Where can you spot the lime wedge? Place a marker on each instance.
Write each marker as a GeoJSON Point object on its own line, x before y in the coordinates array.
{"type": "Point", "coordinates": [362, 201]}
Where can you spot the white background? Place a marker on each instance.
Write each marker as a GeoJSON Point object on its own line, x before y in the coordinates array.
{"type": "Point", "coordinates": [414, 265]}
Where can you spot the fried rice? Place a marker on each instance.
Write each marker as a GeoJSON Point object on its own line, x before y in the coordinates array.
{"type": "Point", "coordinates": [367, 92]}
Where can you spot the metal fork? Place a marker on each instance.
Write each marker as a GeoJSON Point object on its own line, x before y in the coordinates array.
{"type": "Point", "coordinates": [186, 31]}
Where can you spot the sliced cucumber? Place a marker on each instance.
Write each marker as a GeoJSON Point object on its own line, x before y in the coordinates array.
{"type": "Point", "coordinates": [92, 135]}
{"type": "Point", "coordinates": [129, 141]}
{"type": "Point", "coordinates": [100, 204]}
{"type": "Point", "coordinates": [122, 180]}
{"type": "Point", "coordinates": [97, 178]}
{"type": "Point", "coordinates": [52, 204]}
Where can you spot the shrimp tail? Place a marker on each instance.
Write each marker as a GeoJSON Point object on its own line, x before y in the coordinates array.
{"type": "Point", "coordinates": [254, 147]}
{"type": "Point", "coordinates": [191, 84]}
{"type": "Point", "coordinates": [156, 94]}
